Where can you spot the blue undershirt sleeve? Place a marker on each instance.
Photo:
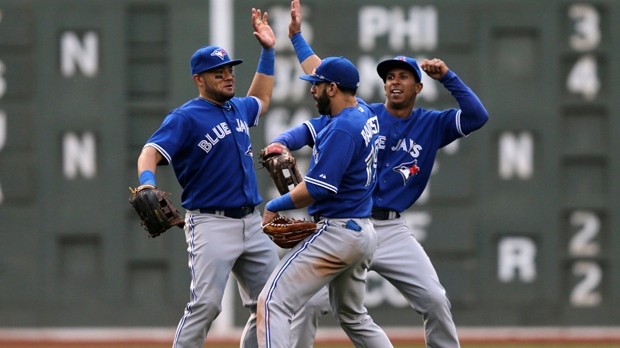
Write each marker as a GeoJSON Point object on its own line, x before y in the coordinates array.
{"type": "Point", "coordinates": [295, 138]}
{"type": "Point", "coordinates": [473, 113]}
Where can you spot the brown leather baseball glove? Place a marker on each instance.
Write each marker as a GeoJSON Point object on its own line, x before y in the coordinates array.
{"type": "Point", "coordinates": [281, 166]}
{"type": "Point", "coordinates": [155, 209]}
{"type": "Point", "coordinates": [287, 232]}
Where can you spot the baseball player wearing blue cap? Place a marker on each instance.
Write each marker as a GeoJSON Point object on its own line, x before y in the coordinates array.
{"type": "Point", "coordinates": [207, 142]}
{"type": "Point", "coordinates": [337, 190]}
{"type": "Point", "coordinates": [409, 139]}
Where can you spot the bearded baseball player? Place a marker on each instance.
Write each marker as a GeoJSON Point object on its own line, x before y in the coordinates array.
{"type": "Point", "coordinates": [337, 190]}
{"type": "Point", "coordinates": [207, 142]}
{"type": "Point", "coordinates": [409, 139]}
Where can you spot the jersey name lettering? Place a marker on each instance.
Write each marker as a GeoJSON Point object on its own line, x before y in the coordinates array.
{"type": "Point", "coordinates": [413, 149]}
{"type": "Point", "coordinates": [380, 142]}
{"type": "Point", "coordinates": [370, 128]}
{"type": "Point", "coordinates": [220, 131]}
{"type": "Point", "coordinates": [242, 127]}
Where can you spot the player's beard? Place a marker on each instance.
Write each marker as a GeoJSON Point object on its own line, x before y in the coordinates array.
{"type": "Point", "coordinates": [219, 95]}
{"type": "Point", "coordinates": [222, 96]}
{"type": "Point", "coordinates": [323, 103]}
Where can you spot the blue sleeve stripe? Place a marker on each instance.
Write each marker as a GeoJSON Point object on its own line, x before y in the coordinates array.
{"type": "Point", "coordinates": [331, 188]}
{"type": "Point", "coordinates": [161, 151]}
{"type": "Point", "coordinates": [311, 129]}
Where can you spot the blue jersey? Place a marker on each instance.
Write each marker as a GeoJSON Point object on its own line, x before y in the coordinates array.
{"type": "Point", "coordinates": [407, 147]}
{"type": "Point", "coordinates": [407, 151]}
{"type": "Point", "coordinates": [344, 162]}
{"type": "Point", "coordinates": [210, 150]}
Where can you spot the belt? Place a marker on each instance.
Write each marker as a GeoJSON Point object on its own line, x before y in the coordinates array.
{"type": "Point", "coordinates": [236, 213]}
{"type": "Point", "coordinates": [317, 217]}
{"type": "Point", "coordinates": [384, 214]}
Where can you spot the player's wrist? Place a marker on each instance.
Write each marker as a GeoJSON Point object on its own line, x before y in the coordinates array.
{"type": "Point", "coordinates": [266, 63]}
{"type": "Point", "coordinates": [147, 177]}
{"type": "Point", "coordinates": [302, 49]}
{"type": "Point", "coordinates": [449, 75]}
{"type": "Point", "coordinates": [284, 202]}
{"type": "Point", "coordinates": [292, 33]}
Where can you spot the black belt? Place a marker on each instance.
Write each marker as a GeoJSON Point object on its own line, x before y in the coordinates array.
{"type": "Point", "coordinates": [316, 218]}
{"type": "Point", "coordinates": [236, 213]}
{"type": "Point", "coordinates": [384, 214]}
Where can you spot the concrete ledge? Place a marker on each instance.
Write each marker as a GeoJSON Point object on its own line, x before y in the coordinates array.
{"type": "Point", "coordinates": [398, 335]}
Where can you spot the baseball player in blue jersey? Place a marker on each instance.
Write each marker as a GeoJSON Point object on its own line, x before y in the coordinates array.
{"type": "Point", "coordinates": [337, 190]}
{"type": "Point", "coordinates": [409, 139]}
{"type": "Point", "coordinates": [207, 142]}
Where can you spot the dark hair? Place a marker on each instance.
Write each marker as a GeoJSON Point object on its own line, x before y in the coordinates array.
{"type": "Point", "coordinates": [345, 90]}
{"type": "Point", "coordinates": [415, 77]}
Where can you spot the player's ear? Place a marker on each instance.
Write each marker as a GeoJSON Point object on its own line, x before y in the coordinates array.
{"type": "Point", "coordinates": [418, 87]}
{"type": "Point", "coordinates": [198, 80]}
{"type": "Point", "coordinates": [332, 89]}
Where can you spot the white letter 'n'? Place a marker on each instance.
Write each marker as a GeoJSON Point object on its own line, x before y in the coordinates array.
{"type": "Point", "coordinates": [84, 54]}
{"type": "Point", "coordinates": [79, 155]}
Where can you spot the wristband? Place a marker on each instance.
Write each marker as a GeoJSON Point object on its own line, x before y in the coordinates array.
{"type": "Point", "coordinates": [302, 49]}
{"type": "Point", "coordinates": [266, 63]}
{"type": "Point", "coordinates": [281, 203]}
{"type": "Point", "coordinates": [147, 177]}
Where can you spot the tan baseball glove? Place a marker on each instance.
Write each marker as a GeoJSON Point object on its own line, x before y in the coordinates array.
{"type": "Point", "coordinates": [287, 232]}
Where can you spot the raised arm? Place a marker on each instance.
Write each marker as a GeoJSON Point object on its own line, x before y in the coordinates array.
{"type": "Point", "coordinates": [262, 84]}
{"type": "Point", "coordinates": [307, 58]}
{"type": "Point", "coordinates": [473, 113]}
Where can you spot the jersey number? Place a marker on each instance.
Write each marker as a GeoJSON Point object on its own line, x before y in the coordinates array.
{"type": "Point", "coordinates": [371, 165]}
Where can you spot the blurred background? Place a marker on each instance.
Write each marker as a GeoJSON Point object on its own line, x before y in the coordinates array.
{"type": "Point", "coordinates": [520, 219]}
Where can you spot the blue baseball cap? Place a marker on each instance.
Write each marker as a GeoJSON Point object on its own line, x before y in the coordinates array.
{"type": "Point", "coordinates": [210, 57]}
{"type": "Point", "coordinates": [338, 70]}
{"type": "Point", "coordinates": [399, 62]}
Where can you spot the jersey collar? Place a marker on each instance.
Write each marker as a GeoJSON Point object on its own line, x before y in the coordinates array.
{"type": "Point", "coordinates": [227, 106]}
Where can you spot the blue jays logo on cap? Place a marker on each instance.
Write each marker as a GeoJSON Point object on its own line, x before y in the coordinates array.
{"type": "Point", "coordinates": [338, 70]}
{"type": "Point", "coordinates": [210, 57]}
{"type": "Point", "coordinates": [399, 62]}
{"type": "Point", "coordinates": [220, 53]}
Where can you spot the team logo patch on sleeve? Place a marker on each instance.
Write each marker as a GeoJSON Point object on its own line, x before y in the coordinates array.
{"type": "Point", "coordinates": [407, 170]}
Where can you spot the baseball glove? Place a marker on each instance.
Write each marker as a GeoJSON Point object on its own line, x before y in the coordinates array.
{"type": "Point", "coordinates": [287, 232]}
{"type": "Point", "coordinates": [155, 210]}
{"type": "Point", "coordinates": [281, 166]}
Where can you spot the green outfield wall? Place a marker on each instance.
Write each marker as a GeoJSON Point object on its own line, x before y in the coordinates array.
{"type": "Point", "coordinates": [521, 219]}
